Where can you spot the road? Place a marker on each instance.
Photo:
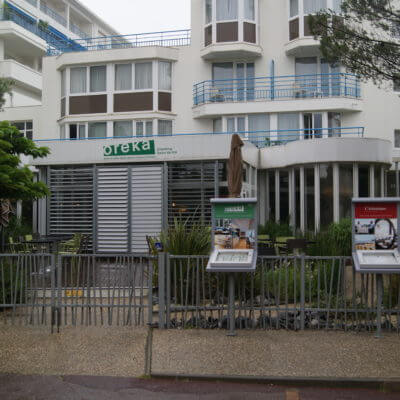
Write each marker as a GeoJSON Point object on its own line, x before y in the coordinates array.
{"type": "Point", "coordinates": [16, 387]}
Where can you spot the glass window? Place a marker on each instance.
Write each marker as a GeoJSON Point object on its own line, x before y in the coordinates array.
{"type": "Point", "coordinates": [73, 131]}
{"type": "Point", "coordinates": [271, 190]}
{"type": "Point", "coordinates": [78, 80]}
{"type": "Point", "coordinates": [334, 124]}
{"type": "Point", "coordinates": [222, 71]}
{"type": "Point", "coordinates": [363, 181]}
{"type": "Point", "coordinates": [97, 130]}
{"type": "Point", "coordinates": [164, 127]}
{"type": "Point", "coordinates": [217, 125]}
{"type": "Point", "coordinates": [326, 194]}
{"type": "Point", "coordinates": [294, 8]}
{"type": "Point", "coordinates": [208, 11]}
{"type": "Point", "coordinates": [227, 10]}
{"type": "Point", "coordinates": [149, 128]}
{"type": "Point", "coordinates": [258, 128]}
{"type": "Point", "coordinates": [139, 128]}
{"type": "Point", "coordinates": [123, 128]}
{"type": "Point", "coordinates": [345, 190]}
{"type": "Point", "coordinates": [82, 131]}
{"type": "Point", "coordinates": [63, 81]}
{"type": "Point", "coordinates": [377, 181]}
{"type": "Point", "coordinates": [144, 128]}
{"type": "Point", "coordinates": [123, 77]}
{"type": "Point", "coordinates": [249, 10]}
{"type": "Point", "coordinates": [241, 124]}
{"type": "Point", "coordinates": [306, 66]}
{"type": "Point", "coordinates": [337, 5]}
{"type": "Point", "coordinates": [297, 210]}
{"type": "Point", "coordinates": [288, 126]}
{"type": "Point", "coordinates": [98, 80]}
{"type": "Point", "coordinates": [397, 138]}
{"type": "Point", "coordinates": [313, 6]}
{"type": "Point", "coordinates": [62, 132]}
{"type": "Point", "coordinates": [25, 128]}
{"type": "Point", "coordinates": [309, 200]}
{"type": "Point", "coordinates": [284, 196]}
{"type": "Point", "coordinates": [230, 123]}
{"type": "Point", "coordinates": [164, 75]}
{"type": "Point", "coordinates": [144, 75]}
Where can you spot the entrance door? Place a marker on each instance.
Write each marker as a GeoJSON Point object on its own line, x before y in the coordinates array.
{"type": "Point", "coordinates": [312, 125]}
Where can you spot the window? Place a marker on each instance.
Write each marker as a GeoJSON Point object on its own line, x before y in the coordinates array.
{"type": "Point", "coordinates": [164, 75]}
{"type": "Point", "coordinates": [98, 79]}
{"type": "Point", "coordinates": [164, 127]}
{"type": "Point", "coordinates": [208, 11]}
{"type": "Point", "coordinates": [123, 77]}
{"type": "Point", "coordinates": [249, 10]}
{"type": "Point", "coordinates": [313, 6]}
{"type": "Point", "coordinates": [77, 131]}
{"type": "Point", "coordinates": [78, 80]}
{"type": "Point", "coordinates": [294, 8]}
{"type": "Point", "coordinates": [217, 125]}
{"type": "Point", "coordinates": [63, 81]}
{"type": "Point", "coordinates": [326, 192]}
{"type": "Point", "coordinates": [97, 130]}
{"type": "Point", "coordinates": [334, 124]}
{"type": "Point", "coordinates": [25, 128]}
{"type": "Point", "coordinates": [397, 138]}
{"type": "Point", "coordinates": [62, 132]}
{"type": "Point", "coordinates": [123, 129]}
{"type": "Point", "coordinates": [144, 75]}
{"type": "Point", "coordinates": [337, 6]}
{"type": "Point", "coordinates": [258, 125]}
{"type": "Point", "coordinates": [227, 10]}
{"type": "Point", "coordinates": [144, 128]}
{"type": "Point", "coordinates": [288, 126]}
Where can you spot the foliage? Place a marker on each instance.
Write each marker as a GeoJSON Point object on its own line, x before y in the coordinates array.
{"type": "Point", "coordinates": [274, 230]}
{"type": "Point", "coordinates": [43, 25]}
{"type": "Point", "coordinates": [11, 284]}
{"type": "Point", "coordinates": [6, 85]}
{"type": "Point", "coordinates": [17, 228]}
{"type": "Point", "coordinates": [364, 37]}
{"type": "Point", "coordinates": [335, 241]}
{"type": "Point", "coordinates": [16, 181]}
{"type": "Point", "coordinates": [186, 237]}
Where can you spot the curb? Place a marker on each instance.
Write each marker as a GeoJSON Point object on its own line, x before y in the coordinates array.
{"type": "Point", "coordinates": [380, 384]}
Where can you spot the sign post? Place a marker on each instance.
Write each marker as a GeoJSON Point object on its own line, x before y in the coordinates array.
{"type": "Point", "coordinates": [234, 243]}
{"type": "Point", "coordinates": [375, 230]}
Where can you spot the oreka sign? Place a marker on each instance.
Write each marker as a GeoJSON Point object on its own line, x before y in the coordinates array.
{"type": "Point", "coordinates": [135, 148]}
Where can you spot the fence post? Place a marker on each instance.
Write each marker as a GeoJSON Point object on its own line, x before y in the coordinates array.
{"type": "Point", "coordinates": [161, 290]}
{"type": "Point", "coordinates": [302, 293]}
{"type": "Point", "coordinates": [150, 293]}
{"type": "Point", "coordinates": [379, 299]}
{"type": "Point", "coordinates": [53, 291]}
{"type": "Point", "coordinates": [58, 290]}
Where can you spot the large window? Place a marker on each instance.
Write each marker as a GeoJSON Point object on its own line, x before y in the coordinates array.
{"type": "Point", "coordinates": [345, 190]}
{"type": "Point", "coordinates": [97, 130]}
{"type": "Point", "coordinates": [363, 181]}
{"type": "Point", "coordinates": [164, 75]}
{"type": "Point", "coordinates": [144, 75]}
{"type": "Point", "coordinates": [98, 78]}
{"type": "Point", "coordinates": [144, 128]}
{"type": "Point", "coordinates": [78, 80]}
{"type": "Point", "coordinates": [25, 128]}
{"type": "Point", "coordinates": [288, 126]}
{"type": "Point", "coordinates": [258, 125]}
{"type": "Point", "coordinates": [309, 198]}
{"type": "Point", "coordinates": [227, 10]}
{"type": "Point", "coordinates": [123, 128]}
{"type": "Point", "coordinates": [249, 10]}
{"type": "Point", "coordinates": [208, 11]}
{"type": "Point", "coordinates": [123, 77]}
{"type": "Point", "coordinates": [314, 6]}
{"type": "Point", "coordinates": [326, 198]}
{"type": "Point", "coordinates": [294, 8]}
{"type": "Point", "coordinates": [164, 127]}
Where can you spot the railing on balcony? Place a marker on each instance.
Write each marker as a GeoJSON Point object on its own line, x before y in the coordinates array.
{"type": "Point", "coordinates": [277, 88]}
{"type": "Point", "coordinates": [265, 138]}
{"type": "Point", "coordinates": [53, 14]}
{"type": "Point", "coordinates": [75, 29]}
{"type": "Point", "coordinates": [33, 2]}
{"type": "Point", "coordinates": [165, 39]}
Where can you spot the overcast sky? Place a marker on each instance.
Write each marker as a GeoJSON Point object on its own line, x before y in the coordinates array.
{"type": "Point", "coordinates": [140, 16]}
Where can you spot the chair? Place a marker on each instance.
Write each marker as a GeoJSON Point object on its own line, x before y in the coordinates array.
{"type": "Point", "coordinates": [12, 246]}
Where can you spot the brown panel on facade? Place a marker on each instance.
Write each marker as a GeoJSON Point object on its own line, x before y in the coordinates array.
{"type": "Point", "coordinates": [164, 101]}
{"type": "Point", "coordinates": [249, 32]}
{"type": "Point", "coordinates": [208, 35]}
{"type": "Point", "coordinates": [142, 101]}
{"type": "Point", "coordinates": [307, 30]}
{"type": "Point", "coordinates": [88, 104]}
{"type": "Point", "coordinates": [63, 103]}
{"type": "Point", "coordinates": [294, 29]}
{"type": "Point", "coordinates": [227, 32]}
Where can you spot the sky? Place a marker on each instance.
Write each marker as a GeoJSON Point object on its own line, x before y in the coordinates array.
{"type": "Point", "coordinates": [141, 16]}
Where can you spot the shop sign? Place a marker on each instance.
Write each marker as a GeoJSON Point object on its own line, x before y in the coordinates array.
{"type": "Point", "coordinates": [238, 210]}
{"type": "Point", "coordinates": [135, 148]}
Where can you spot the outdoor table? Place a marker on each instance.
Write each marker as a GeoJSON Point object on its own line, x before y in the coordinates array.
{"type": "Point", "coordinates": [50, 241]}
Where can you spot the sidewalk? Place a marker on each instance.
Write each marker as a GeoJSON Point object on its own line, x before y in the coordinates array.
{"type": "Point", "coordinates": [123, 351]}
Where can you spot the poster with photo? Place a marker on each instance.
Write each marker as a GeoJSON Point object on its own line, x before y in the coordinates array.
{"type": "Point", "coordinates": [235, 226]}
{"type": "Point", "coordinates": [375, 226]}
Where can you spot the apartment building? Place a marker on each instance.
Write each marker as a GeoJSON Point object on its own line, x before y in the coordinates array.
{"type": "Point", "coordinates": [29, 29]}
{"type": "Point", "coordinates": [139, 126]}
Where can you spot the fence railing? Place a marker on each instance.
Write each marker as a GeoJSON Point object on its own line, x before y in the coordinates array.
{"type": "Point", "coordinates": [271, 88]}
{"type": "Point", "coordinates": [165, 39]}
{"type": "Point", "coordinates": [74, 28]}
{"type": "Point", "coordinates": [291, 292]}
{"type": "Point", "coordinates": [53, 14]}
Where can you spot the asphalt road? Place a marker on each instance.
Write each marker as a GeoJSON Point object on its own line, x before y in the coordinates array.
{"type": "Point", "coordinates": [16, 387]}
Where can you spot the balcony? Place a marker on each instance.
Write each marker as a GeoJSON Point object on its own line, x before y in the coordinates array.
{"type": "Point", "coordinates": [265, 94]}
{"type": "Point", "coordinates": [75, 29]}
{"type": "Point", "coordinates": [53, 14]}
{"type": "Point", "coordinates": [21, 74]}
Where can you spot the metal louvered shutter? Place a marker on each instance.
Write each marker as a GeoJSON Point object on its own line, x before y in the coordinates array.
{"type": "Point", "coordinates": [112, 210]}
{"type": "Point", "coordinates": [146, 210]}
{"type": "Point", "coordinates": [71, 201]}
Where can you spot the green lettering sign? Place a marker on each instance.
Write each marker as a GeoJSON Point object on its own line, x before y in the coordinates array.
{"type": "Point", "coordinates": [234, 210]}
{"type": "Point", "coordinates": [136, 148]}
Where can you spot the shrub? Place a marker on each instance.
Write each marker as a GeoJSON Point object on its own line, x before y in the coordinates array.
{"type": "Point", "coordinates": [274, 229]}
{"type": "Point", "coordinates": [12, 282]}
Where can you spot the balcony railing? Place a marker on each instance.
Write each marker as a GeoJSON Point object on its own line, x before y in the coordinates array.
{"type": "Point", "coordinates": [53, 14]}
{"type": "Point", "coordinates": [33, 2]}
{"type": "Point", "coordinates": [260, 139]}
{"type": "Point", "coordinates": [277, 88]}
{"type": "Point", "coordinates": [165, 39]}
{"type": "Point", "coordinates": [74, 28]}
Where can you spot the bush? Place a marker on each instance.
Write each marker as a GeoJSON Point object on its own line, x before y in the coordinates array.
{"type": "Point", "coordinates": [274, 229]}
{"type": "Point", "coordinates": [12, 283]}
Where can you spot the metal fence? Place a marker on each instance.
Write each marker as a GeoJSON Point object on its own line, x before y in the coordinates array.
{"type": "Point", "coordinates": [293, 292]}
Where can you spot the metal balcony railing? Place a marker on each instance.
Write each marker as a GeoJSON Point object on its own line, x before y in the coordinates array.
{"type": "Point", "coordinates": [33, 2]}
{"type": "Point", "coordinates": [53, 14]}
{"type": "Point", "coordinates": [263, 138]}
{"type": "Point", "coordinates": [277, 88]}
{"type": "Point", "coordinates": [165, 39]}
{"type": "Point", "coordinates": [75, 29]}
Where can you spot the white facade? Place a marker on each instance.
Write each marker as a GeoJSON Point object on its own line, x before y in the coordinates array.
{"type": "Point", "coordinates": [316, 135]}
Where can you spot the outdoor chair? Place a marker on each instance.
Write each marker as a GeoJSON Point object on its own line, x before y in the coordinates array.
{"type": "Point", "coordinates": [13, 247]}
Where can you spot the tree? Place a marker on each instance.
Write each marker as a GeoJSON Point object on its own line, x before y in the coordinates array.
{"type": "Point", "coordinates": [364, 37]}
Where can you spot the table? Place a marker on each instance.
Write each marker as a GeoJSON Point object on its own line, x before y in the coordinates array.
{"type": "Point", "coordinates": [50, 241]}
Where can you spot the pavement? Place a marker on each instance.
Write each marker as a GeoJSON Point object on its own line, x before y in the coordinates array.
{"type": "Point", "coordinates": [134, 352]}
{"type": "Point", "coordinates": [16, 387]}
